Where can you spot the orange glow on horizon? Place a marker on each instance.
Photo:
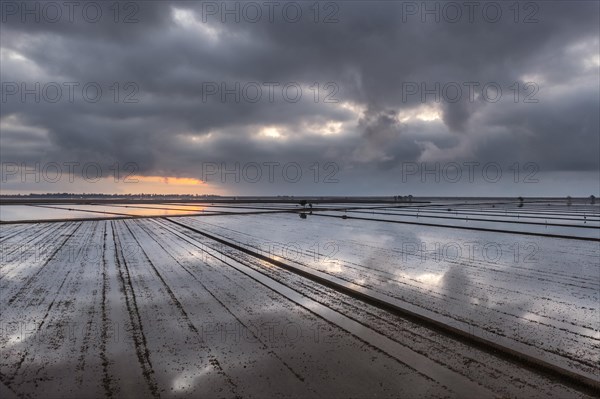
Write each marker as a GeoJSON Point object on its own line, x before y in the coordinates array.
{"type": "Point", "coordinates": [170, 185]}
{"type": "Point", "coordinates": [176, 181]}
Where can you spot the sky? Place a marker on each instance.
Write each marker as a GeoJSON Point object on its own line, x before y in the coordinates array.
{"type": "Point", "coordinates": [301, 98]}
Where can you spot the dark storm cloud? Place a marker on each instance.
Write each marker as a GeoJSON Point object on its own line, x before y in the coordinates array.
{"type": "Point", "coordinates": [374, 54]}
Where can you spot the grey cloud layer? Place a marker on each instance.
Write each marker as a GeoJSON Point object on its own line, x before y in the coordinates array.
{"type": "Point", "coordinates": [369, 54]}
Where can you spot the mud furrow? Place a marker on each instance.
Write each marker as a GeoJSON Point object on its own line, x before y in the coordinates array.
{"type": "Point", "coordinates": [31, 279]}
{"type": "Point", "coordinates": [228, 310]}
{"type": "Point", "coordinates": [212, 359]}
{"type": "Point", "coordinates": [19, 364]}
{"type": "Point", "coordinates": [549, 368]}
{"type": "Point", "coordinates": [377, 279]}
{"type": "Point", "coordinates": [139, 337]}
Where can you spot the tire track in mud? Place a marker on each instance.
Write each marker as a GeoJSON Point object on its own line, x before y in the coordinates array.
{"type": "Point", "coordinates": [137, 332]}
{"type": "Point", "coordinates": [372, 275]}
{"type": "Point", "coordinates": [384, 323]}
{"type": "Point", "coordinates": [422, 365]}
{"type": "Point", "coordinates": [367, 274]}
{"type": "Point", "coordinates": [212, 359]}
{"type": "Point", "coordinates": [31, 279]}
{"type": "Point", "coordinates": [224, 260]}
{"type": "Point", "coordinates": [374, 278]}
{"type": "Point", "coordinates": [106, 378]}
{"type": "Point", "coordinates": [16, 230]}
{"type": "Point", "coordinates": [34, 233]}
{"type": "Point", "coordinates": [226, 256]}
{"type": "Point", "coordinates": [363, 272]}
{"type": "Point", "coordinates": [10, 379]}
{"type": "Point", "coordinates": [36, 347]}
{"type": "Point", "coordinates": [106, 251]}
{"type": "Point", "coordinates": [319, 292]}
{"type": "Point", "coordinates": [17, 267]}
{"type": "Point", "coordinates": [36, 236]}
{"type": "Point", "coordinates": [191, 246]}
{"type": "Point", "coordinates": [524, 358]}
{"type": "Point", "coordinates": [91, 311]}
{"type": "Point", "coordinates": [212, 294]}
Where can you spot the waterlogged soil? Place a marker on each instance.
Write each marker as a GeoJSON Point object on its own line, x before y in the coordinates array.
{"type": "Point", "coordinates": [144, 308]}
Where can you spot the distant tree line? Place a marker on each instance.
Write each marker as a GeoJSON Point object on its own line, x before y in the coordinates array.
{"type": "Point", "coordinates": [116, 196]}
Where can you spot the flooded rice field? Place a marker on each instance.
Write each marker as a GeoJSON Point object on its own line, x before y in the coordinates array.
{"type": "Point", "coordinates": [283, 300]}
